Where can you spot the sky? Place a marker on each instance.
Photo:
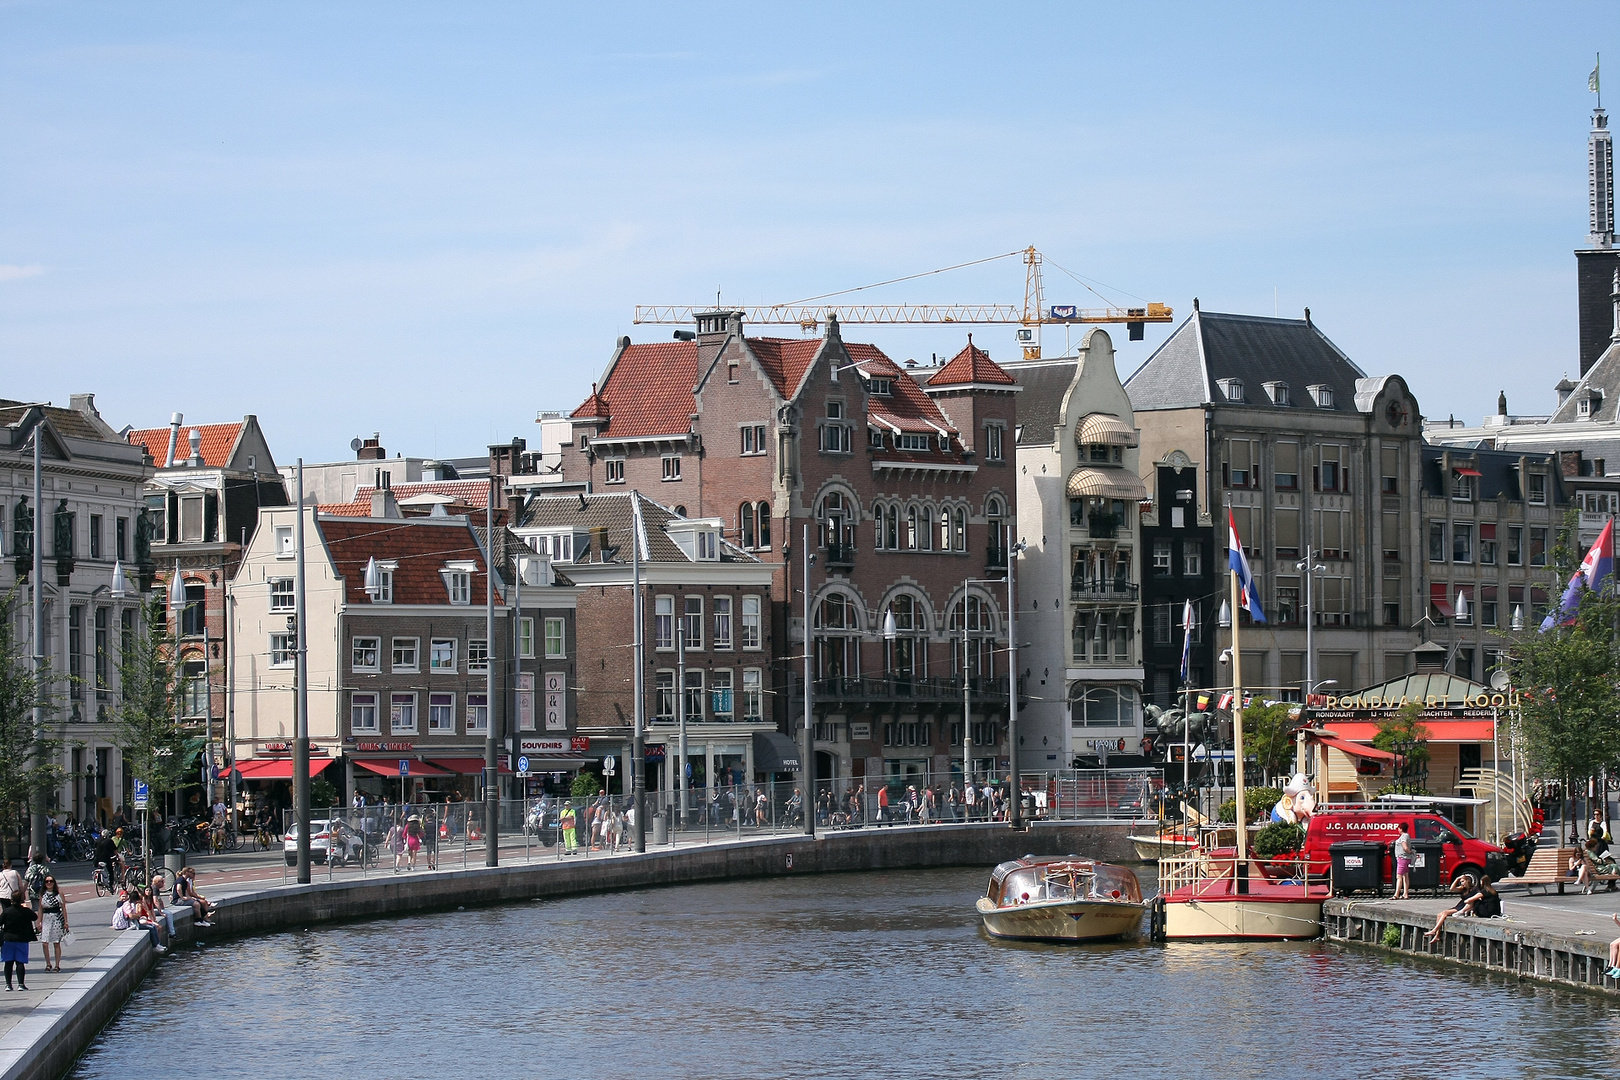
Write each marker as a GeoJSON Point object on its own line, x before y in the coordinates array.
{"type": "Point", "coordinates": [433, 221]}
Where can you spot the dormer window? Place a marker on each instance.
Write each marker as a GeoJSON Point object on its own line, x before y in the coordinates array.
{"type": "Point", "coordinates": [882, 387]}
{"type": "Point", "coordinates": [1278, 393]}
{"type": "Point", "coordinates": [708, 546]}
{"type": "Point", "coordinates": [874, 438]}
{"type": "Point", "coordinates": [1322, 394]}
{"type": "Point", "coordinates": [698, 538]}
{"type": "Point", "coordinates": [1231, 388]}
{"type": "Point", "coordinates": [558, 547]}
{"type": "Point", "coordinates": [911, 442]}
{"type": "Point", "coordinates": [458, 581]}
{"type": "Point", "coordinates": [1587, 406]}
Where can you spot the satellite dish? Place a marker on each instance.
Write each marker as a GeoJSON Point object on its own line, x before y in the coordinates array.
{"type": "Point", "coordinates": [1499, 679]}
{"type": "Point", "coordinates": [355, 444]}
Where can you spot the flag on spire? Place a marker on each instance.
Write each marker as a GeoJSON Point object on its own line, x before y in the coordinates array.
{"type": "Point", "coordinates": [1248, 598]}
{"type": "Point", "coordinates": [1592, 79]}
{"type": "Point", "coordinates": [1594, 570]}
{"type": "Point", "coordinates": [1187, 626]}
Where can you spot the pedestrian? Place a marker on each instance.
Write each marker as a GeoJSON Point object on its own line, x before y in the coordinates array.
{"type": "Point", "coordinates": [11, 882]}
{"type": "Point", "coordinates": [152, 899]}
{"type": "Point", "coordinates": [413, 838]}
{"type": "Point", "coordinates": [1614, 953]}
{"type": "Point", "coordinates": [185, 892]}
{"type": "Point", "coordinates": [970, 800]}
{"type": "Point", "coordinates": [17, 928]}
{"type": "Point", "coordinates": [53, 922]}
{"type": "Point", "coordinates": [34, 877]}
{"type": "Point", "coordinates": [568, 822]}
{"type": "Point", "coordinates": [430, 837]}
{"type": "Point", "coordinates": [883, 803]}
{"type": "Point", "coordinates": [1403, 864]}
{"type": "Point", "coordinates": [394, 843]}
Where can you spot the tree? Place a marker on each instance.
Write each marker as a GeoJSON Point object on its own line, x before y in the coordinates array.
{"type": "Point", "coordinates": [147, 731]}
{"type": "Point", "coordinates": [1268, 736]}
{"type": "Point", "coordinates": [23, 775]}
{"type": "Point", "coordinates": [1404, 734]}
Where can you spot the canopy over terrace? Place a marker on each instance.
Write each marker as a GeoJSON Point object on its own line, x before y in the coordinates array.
{"type": "Point", "coordinates": [1460, 716]}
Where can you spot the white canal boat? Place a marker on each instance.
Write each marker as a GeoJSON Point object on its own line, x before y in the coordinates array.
{"type": "Point", "coordinates": [1061, 898]}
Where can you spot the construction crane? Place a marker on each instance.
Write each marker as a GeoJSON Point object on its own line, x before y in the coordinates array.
{"type": "Point", "coordinates": [1029, 319]}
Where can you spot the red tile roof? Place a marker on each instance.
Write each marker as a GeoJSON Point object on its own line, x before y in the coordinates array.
{"type": "Point", "coordinates": [218, 440]}
{"type": "Point", "coordinates": [420, 548]}
{"type": "Point", "coordinates": [471, 492]}
{"type": "Point", "coordinates": [972, 365]}
{"type": "Point", "coordinates": [648, 392]}
{"type": "Point", "coordinates": [785, 360]}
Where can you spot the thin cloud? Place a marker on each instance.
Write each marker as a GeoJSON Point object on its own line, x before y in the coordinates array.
{"type": "Point", "coordinates": [12, 272]}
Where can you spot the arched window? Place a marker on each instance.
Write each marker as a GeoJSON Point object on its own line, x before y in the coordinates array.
{"type": "Point", "coordinates": [911, 527]}
{"type": "Point", "coordinates": [680, 511]}
{"type": "Point", "coordinates": [907, 654]}
{"type": "Point", "coordinates": [959, 530]}
{"type": "Point", "coordinates": [891, 518]}
{"type": "Point", "coordinates": [979, 650]}
{"type": "Point", "coordinates": [745, 524]}
{"type": "Point", "coordinates": [837, 516]}
{"type": "Point", "coordinates": [877, 531]}
{"type": "Point", "coordinates": [993, 514]}
{"type": "Point", "coordinates": [763, 531]}
{"type": "Point", "coordinates": [925, 528]}
{"type": "Point", "coordinates": [837, 644]}
{"type": "Point", "coordinates": [945, 528]}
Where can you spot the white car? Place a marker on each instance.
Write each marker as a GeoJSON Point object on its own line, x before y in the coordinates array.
{"type": "Point", "coordinates": [352, 848]}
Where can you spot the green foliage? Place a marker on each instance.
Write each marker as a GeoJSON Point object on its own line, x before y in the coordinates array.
{"type": "Point", "coordinates": [1402, 788]}
{"type": "Point", "coordinates": [1392, 936]}
{"type": "Point", "coordinates": [585, 786]}
{"type": "Point", "coordinates": [1268, 737]}
{"type": "Point", "coordinates": [21, 777]}
{"type": "Point", "coordinates": [1405, 727]}
{"type": "Point", "coordinates": [1257, 802]}
{"type": "Point", "coordinates": [322, 793]}
{"type": "Point", "coordinates": [153, 744]}
{"type": "Point", "coordinates": [1278, 838]}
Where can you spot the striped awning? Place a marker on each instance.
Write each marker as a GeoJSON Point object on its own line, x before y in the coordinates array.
{"type": "Point", "coordinates": [1106, 430]}
{"type": "Point", "coordinates": [1101, 483]}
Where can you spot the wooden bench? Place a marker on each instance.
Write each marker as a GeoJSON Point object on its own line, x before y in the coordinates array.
{"type": "Point", "coordinates": [1552, 866]}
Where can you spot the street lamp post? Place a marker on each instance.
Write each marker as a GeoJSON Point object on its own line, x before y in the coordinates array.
{"type": "Point", "coordinates": [1311, 567]}
{"type": "Point", "coordinates": [1015, 817]}
{"type": "Point", "coordinates": [806, 740]}
{"type": "Point", "coordinates": [300, 694]}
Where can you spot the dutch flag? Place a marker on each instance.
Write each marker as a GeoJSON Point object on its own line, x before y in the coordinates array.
{"type": "Point", "coordinates": [1594, 570]}
{"type": "Point", "coordinates": [1247, 596]}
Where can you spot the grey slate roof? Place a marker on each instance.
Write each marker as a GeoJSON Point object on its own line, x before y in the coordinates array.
{"type": "Point", "coordinates": [1210, 346]}
{"type": "Point", "coordinates": [612, 512]}
{"type": "Point", "coordinates": [1498, 469]}
{"type": "Point", "coordinates": [1604, 379]}
{"type": "Point", "coordinates": [1040, 406]}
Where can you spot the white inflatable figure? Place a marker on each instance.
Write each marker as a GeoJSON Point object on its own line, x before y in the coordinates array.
{"type": "Point", "coordinates": [1296, 804]}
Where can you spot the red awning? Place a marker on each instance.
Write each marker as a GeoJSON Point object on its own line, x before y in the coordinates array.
{"type": "Point", "coordinates": [390, 767]}
{"type": "Point", "coordinates": [1440, 731]}
{"type": "Point", "coordinates": [1462, 470]}
{"type": "Point", "coordinates": [467, 766]}
{"type": "Point", "coordinates": [276, 768]}
{"type": "Point", "coordinates": [1360, 750]}
{"type": "Point", "coordinates": [1443, 607]}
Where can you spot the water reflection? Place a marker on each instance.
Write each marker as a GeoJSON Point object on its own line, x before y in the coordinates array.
{"type": "Point", "coordinates": [842, 975]}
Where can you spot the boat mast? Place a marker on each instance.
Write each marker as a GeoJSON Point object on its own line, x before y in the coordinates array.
{"type": "Point", "coordinates": [1241, 871]}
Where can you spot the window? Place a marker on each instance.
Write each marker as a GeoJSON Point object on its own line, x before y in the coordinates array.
{"type": "Point", "coordinates": [1285, 476]}
{"type": "Point", "coordinates": [442, 713]}
{"type": "Point", "coordinates": [95, 536]}
{"type": "Point", "coordinates": [195, 674]}
{"type": "Point", "coordinates": [363, 712]}
{"type": "Point", "coordinates": [1536, 488]}
{"type": "Point", "coordinates": [1242, 463]}
{"type": "Point", "coordinates": [126, 633]}
{"type": "Point", "coordinates": [1288, 609]}
{"type": "Point", "coordinates": [526, 638]}
{"type": "Point", "coordinates": [708, 545]}
{"type": "Point", "coordinates": [363, 654]}
{"type": "Point", "coordinates": [874, 438]}
{"type": "Point", "coordinates": [404, 654]}
{"type": "Point", "coordinates": [907, 654]}
{"type": "Point", "coordinates": [694, 694]}
{"type": "Point", "coordinates": [459, 585]}
{"type": "Point", "coordinates": [282, 647]}
{"type": "Point", "coordinates": [1515, 545]}
{"type": "Point", "coordinates": [1329, 470]}
{"type": "Point", "coordinates": [1437, 541]}
{"type": "Point", "coordinates": [556, 640]}
{"type": "Point", "coordinates": [1192, 559]}
{"type": "Point", "coordinates": [1232, 389]}
{"type": "Point", "coordinates": [722, 622]}
{"type": "Point", "coordinates": [613, 470]}
{"type": "Point", "coordinates": [477, 712]}
{"type": "Point", "coordinates": [76, 652]}
{"type": "Point", "coordinates": [1462, 542]}
{"type": "Point", "coordinates": [753, 697]}
{"type": "Point", "coordinates": [477, 656]}
{"type": "Point", "coordinates": [664, 622]}
{"type": "Point", "coordinates": [750, 622]}
{"type": "Point", "coordinates": [442, 656]}
{"type": "Point", "coordinates": [1462, 487]}
{"type": "Point", "coordinates": [1161, 556]}
{"type": "Point", "coordinates": [191, 519]}
{"type": "Point", "coordinates": [157, 513]}
{"type": "Point", "coordinates": [284, 541]}
{"type": "Point", "coordinates": [1487, 544]}
{"type": "Point", "coordinates": [672, 466]}
{"type": "Point", "coordinates": [281, 594]}
{"type": "Point", "coordinates": [959, 530]}
{"type": "Point", "coordinates": [882, 387]}
{"type": "Point", "coordinates": [1322, 394]}
{"type": "Point", "coordinates": [192, 621]}
{"type": "Point", "coordinates": [103, 615]}
{"type": "Point", "coordinates": [1538, 547]}
{"type": "Point", "coordinates": [994, 436]}
{"type": "Point", "coordinates": [692, 622]}
{"type": "Point", "coordinates": [721, 705]}
{"type": "Point", "coordinates": [1285, 522]}
{"type": "Point", "coordinates": [837, 649]}
{"type": "Point", "coordinates": [664, 695]}
{"type": "Point", "coordinates": [753, 439]}
{"type": "Point", "coordinates": [402, 714]}
{"type": "Point", "coordinates": [911, 442]}
{"type": "Point", "coordinates": [1334, 534]}
{"type": "Point", "coordinates": [1162, 623]}
{"type": "Point", "coordinates": [1390, 460]}
{"type": "Point", "coordinates": [558, 546]}
{"type": "Point", "coordinates": [1278, 391]}
{"type": "Point", "coordinates": [122, 544]}
{"type": "Point", "coordinates": [385, 584]}
{"type": "Point", "coordinates": [1487, 605]}
{"type": "Point", "coordinates": [835, 436]}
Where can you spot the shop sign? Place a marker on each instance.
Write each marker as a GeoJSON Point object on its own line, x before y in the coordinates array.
{"type": "Point", "coordinates": [860, 730]}
{"type": "Point", "coordinates": [386, 747]}
{"type": "Point", "coordinates": [581, 744]}
{"type": "Point", "coordinates": [543, 746]}
{"type": "Point", "coordinates": [556, 704]}
{"type": "Point", "coordinates": [286, 748]}
{"type": "Point", "coordinates": [655, 752]}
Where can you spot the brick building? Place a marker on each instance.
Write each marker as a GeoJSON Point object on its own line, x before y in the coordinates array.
{"type": "Point", "coordinates": [905, 487]}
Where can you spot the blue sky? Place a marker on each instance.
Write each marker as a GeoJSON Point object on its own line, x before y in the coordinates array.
{"type": "Point", "coordinates": [434, 220]}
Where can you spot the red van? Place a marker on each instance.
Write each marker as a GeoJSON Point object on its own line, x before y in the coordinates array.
{"type": "Point", "coordinates": [1460, 854]}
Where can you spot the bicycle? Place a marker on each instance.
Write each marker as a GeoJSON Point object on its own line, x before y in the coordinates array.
{"type": "Point", "coordinates": [103, 879]}
{"type": "Point", "coordinates": [262, 836]}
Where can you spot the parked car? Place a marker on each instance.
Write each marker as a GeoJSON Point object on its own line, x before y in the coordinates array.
{"type": "Point", "coordinates": [351, 845]}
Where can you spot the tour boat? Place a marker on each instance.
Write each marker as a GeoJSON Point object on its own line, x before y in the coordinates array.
{"type": "Point", "coordinates": [1158, 846]}
{"type": "Point", "coordinates": [1061, 898]}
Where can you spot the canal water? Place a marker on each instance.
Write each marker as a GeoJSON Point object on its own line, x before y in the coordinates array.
{"type": "Point", "coordinates": [850, 975]}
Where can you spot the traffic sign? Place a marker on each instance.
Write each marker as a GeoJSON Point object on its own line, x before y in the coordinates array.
{"type": "Point", "coordinates": [609, 765]}
{"type": "Point", "coordinates": [142, 794]}
{"type": "Point", "coordinates": [404, 766]}
{"type": "Point", "coordinates": [523, 763]}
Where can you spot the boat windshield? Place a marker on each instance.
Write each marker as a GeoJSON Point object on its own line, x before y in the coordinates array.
{"type": "Point", "coordinates": [1071, 881]}
{"type": "Point", "coordinates": [1117, 883]}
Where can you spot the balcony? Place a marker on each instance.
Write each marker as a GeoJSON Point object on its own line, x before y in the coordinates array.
{"type": "Point", "coordinates": [1105, 526]}
{"type": "Point", "coordinates": [842, 555]}
{"type": "Point", "coordinates": [1103, 591]}
{"type": "Point", "coordinates": [898, 689]}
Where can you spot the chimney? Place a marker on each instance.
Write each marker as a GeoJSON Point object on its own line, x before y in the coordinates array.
{"type": "Point", "coordinates": [713, 328]}
{"type": "Point", "coordinates": [371, 449]}
{"type": "Point", "coordinates": [174, 438]}
{"type": "Point", "coordinates": [1307, 316]}
{"type": "Point", "coordinates": [83, 403]}
{"type": "Point", "coordinates": [1430, 657]}
{"type": "Point", "coordinates": [195, 460]}
{"type": "Point", "coordinates": [383, 503]}
{"type": "Point", "coordinates": [1501, 404]}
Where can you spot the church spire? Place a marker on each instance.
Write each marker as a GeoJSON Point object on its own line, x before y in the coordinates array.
{"type": "Point", "coordinates": [1600, 173]}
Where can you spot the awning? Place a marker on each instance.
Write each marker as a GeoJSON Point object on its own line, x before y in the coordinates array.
{"type": "Point", "coordinates": [775, 752]}
{"type": "Point", "coordinates": [276, 768]}
{"type": "Point", "coordinates": [391, 768]}
{"type": "Point", "coordinates": [1360, 750]}
{"type": "Point", "coordinates": [1105, 429]}
{"type": "Point", "coordinates": [1099, 483]}
{"type": "Point", "coordinates": [1440, 731]}
{"type": "Point", "coordinates": [468, 766]}
{"type": "Point", "coordinates": [1463, 470]}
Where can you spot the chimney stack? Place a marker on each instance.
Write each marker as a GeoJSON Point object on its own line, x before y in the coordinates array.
{"type": "Point", "coordinates": [174, 438]}
{"type": "Point", "coordinates": [371, 449]}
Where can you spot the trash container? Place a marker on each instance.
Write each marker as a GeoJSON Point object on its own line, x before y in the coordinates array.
{"type": "Point", "coordinates": [660, 828]}
{"type": "Point", "coordinates": [1358, 865]}
{"type": "Point", "coordinates": [1425, 868]}
{"type": "Point", "coordinates": [174, 862]}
